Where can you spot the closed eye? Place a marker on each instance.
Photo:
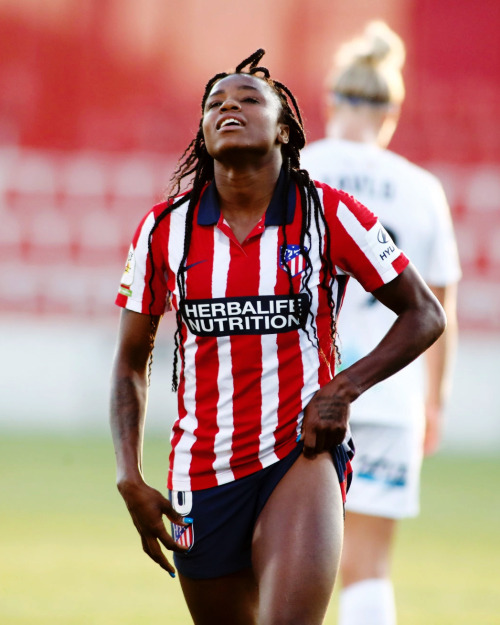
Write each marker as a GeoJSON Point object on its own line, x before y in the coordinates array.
{"type": "Point", "coordinates": [213, 104]}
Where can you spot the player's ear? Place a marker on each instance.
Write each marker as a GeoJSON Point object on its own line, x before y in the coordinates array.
{"type": "Point", "coordinates": [283, 133]}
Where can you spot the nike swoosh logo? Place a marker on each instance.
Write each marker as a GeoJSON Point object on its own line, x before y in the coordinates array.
{"type": "Point", "coordinates": [186, 267]}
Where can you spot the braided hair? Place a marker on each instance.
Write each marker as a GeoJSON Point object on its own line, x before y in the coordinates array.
{"type": "Point", "coordinates": [196, 166]}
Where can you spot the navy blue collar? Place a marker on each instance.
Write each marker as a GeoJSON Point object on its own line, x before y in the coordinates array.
{"type": "Point", "coordinates": [209, 211]}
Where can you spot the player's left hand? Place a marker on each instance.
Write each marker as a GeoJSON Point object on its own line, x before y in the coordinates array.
{"type": "Point", "coordinates": [326, 416]}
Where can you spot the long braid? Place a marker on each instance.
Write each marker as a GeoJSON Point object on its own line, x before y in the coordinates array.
{"type": "Point", "coordinates": [154, 319]}
{"type": "Point", "coordinates": [196, 168]}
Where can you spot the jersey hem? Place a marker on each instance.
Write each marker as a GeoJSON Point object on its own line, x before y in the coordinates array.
{"type": "Point", "coordinates": [204, 482]}
{"type": "Point", "coordinates": [130, 304]}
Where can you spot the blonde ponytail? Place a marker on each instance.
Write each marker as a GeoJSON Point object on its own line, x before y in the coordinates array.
{"type": "Point", "coordinates": [368, 68]}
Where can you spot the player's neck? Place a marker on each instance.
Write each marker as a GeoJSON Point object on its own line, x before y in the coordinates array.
{"type": "Point", "coordinates": [244, 195]}
{"type": "Point", "coordinates": [358, 133]}
{"type": "Point", "coordinates": [246, 190]}
{"type": "Point", "coordinates": [363, 124]}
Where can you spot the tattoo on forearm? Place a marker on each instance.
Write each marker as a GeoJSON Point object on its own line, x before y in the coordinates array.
{"type": "Point", "coordinates": [330, 408]}
{"type": "Point", "coordinates": [126, 404]}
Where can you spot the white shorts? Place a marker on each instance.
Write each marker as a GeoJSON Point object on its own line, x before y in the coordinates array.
{"type": "Point", "coordinates": [386, 470]}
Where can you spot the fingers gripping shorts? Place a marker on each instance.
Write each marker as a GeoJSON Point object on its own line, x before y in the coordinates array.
{"type": "Point", "coordinates": [224, 517]}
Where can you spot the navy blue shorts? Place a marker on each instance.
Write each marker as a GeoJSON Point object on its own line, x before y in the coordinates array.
{"type": "Point", "coordinates": [224, 518]}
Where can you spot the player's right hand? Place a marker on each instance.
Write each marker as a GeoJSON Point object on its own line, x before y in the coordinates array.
{"type": "Point", "coordinates": [327, 415]}
{"type": "Point", "coordinates": [147, 506]}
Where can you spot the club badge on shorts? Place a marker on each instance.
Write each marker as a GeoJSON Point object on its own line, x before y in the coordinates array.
{"type": "Point", "coordinates": [183, 536]}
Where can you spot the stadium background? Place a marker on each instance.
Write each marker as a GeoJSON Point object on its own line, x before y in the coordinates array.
{"type": "Point", "coordinates": [99, 98]}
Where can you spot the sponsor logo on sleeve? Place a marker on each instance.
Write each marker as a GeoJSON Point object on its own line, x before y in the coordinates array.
{"type": "Point", "coordinates": [264, 314]}
{"type": "Point", "coordinates": [381, 244]}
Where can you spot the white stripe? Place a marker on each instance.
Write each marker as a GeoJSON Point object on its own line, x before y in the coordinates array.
{"type": "Point", "coordinates": [138, 285]}
{"type": "Point", "coordinates": [176, 239]}
{"type": "Point", "coordinates": [270, 380]}
{"type": "Point", "coordinates": [360, 235]}
{"type": "Point", "coordinates": [225, 422]}
{"type": "Point", "coordinates": [310, 354]}
{"type": "Point", "coordinates": [189, 423]}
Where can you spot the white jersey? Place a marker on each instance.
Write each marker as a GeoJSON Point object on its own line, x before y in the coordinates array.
{"type": "Point", "coordinates": [411, 205]}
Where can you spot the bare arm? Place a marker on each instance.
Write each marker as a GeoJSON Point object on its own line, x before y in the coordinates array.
{"type": "Point", "coordinates": [439, 359]}
{"type": "Point", "coordinates": [129, 392]}
{"type": "Point", "coordinates": [420, 321]}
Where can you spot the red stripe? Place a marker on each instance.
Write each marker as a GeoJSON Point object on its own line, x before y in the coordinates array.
{"type": "Point", "coordinates": [206, 359]}
{"type": "Point", "coordinates": [290, 369]}
{"type": "Point", "coordinates": [158, 243]}
{"type": "Point", "coordinates": [159, 282]}
{"type": "Point", "coordinates": [400, 263]}
{"type": "Point", "coordinates": [323, 324]}
{"type": "Point", "coordinates": [344, 250]}
{"type": "Point", "coordinates": [343, 490]}
{"type": "Point", "coordinates": [347, 480]}
{"type": "Point", "coordinates": [186, 539]}
{"type": "Point", "coordinates": [246, 358]}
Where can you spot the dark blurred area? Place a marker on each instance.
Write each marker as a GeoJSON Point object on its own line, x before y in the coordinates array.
{"type": "Point", "coordinates": [99, 98]}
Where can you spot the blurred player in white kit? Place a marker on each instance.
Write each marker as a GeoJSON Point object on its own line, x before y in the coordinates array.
{"type": "Point", "coordinates": [398, 421]}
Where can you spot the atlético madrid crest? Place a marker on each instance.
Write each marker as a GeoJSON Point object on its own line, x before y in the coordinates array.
{"type": "Point", "coordinates": [183, 535]}
{"type": "Point", "coordinates": [294, 258]}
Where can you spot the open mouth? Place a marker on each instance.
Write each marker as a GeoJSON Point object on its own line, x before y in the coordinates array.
{"type": "Point", "coordinates": [230, 121]}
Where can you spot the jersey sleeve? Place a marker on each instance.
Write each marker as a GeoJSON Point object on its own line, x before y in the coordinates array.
{"type": "Point", "coordinates": [443, 266]}
{"type": "Point", "coordinates": [359, 244]}
{"type": "Point", "coordinates": [143, 285]}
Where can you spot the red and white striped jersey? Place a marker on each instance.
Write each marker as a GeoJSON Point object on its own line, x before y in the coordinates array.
{"type": "Point", "coordinates": [253, 354]}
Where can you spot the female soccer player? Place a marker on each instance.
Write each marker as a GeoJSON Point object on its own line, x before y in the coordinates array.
{"type": "Point", "coordinates": [365, 96]}
{"type": "Point", "coordinates": [254, 259]}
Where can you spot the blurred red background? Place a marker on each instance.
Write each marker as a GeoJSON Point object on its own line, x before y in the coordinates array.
{"type": "Point", "coordinates": [99, 98]}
